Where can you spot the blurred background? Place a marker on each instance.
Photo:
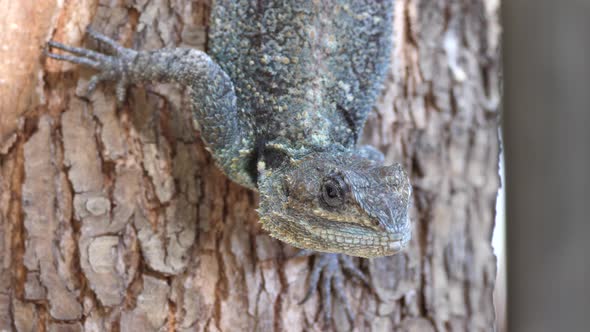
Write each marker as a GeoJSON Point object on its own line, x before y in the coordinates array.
{"type": "Point", "coordinates": [546, 123]}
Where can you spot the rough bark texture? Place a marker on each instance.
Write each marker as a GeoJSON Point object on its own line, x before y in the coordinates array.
{"type": "Point", "coordinates": [114, 218]}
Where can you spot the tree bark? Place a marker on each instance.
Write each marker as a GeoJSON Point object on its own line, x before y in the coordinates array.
{"type": "Point", "coordinates": [115, 218]}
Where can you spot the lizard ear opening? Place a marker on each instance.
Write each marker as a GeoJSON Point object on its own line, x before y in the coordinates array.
{"type": "Point", "coordinates": [265, 158]}
{"type": "Point", "coordinates": [273, 157]}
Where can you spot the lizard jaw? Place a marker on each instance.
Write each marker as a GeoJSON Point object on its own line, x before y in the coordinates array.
{"type": "Point", "coordinates": [336, 237]}
{"type": "Point", "coordinates": [391, 242]}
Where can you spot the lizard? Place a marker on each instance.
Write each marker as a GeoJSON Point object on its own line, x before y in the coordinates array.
{"type": "Point", "coordinates": [280, 98]}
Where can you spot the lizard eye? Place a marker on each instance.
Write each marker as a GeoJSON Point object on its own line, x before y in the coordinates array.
{"type": "Point", "coordinates": [333, 190]}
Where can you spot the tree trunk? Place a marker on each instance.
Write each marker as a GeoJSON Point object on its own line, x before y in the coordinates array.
{"type": "Point", "coordinates": [115, 218]}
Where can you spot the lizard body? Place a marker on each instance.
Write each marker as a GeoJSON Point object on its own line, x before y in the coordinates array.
{"type": "Point", "coordinates": [280, 100]}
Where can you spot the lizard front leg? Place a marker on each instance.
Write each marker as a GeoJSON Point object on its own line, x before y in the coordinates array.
{"type": "Point", "coordinates": [213, 98]}
{"type": "Point", "coordinates": [332, 269]}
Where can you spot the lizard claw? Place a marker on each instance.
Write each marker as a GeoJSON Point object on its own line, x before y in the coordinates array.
{"type": "Point", "coordinates": [112, 66]}
{"type": "Point", "coordinates": [332, 268]}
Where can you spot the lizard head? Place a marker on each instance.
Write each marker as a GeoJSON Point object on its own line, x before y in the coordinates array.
{"type": "Point", "coordinates": [337, 202]}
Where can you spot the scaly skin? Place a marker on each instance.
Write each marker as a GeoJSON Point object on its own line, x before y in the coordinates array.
{"type": "Point", "coordinates": [281, 103]}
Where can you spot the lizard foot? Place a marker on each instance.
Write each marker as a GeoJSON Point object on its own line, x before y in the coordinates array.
{"type": "Point", "coordinates": [332, 268]}
{"type": "Point", "coordinates": [112, 65]}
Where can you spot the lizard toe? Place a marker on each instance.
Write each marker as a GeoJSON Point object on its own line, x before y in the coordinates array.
{"type": "Point", "coordinates": [112, 46]}
{"type": "Point", "coordinates": [314, 277]}
{"type": "Point", "coordinates": [350, 268]}
{"type": "Point", "coordinates": [326, 291]}
{"type": "Point", "coordinates": [338, 288]}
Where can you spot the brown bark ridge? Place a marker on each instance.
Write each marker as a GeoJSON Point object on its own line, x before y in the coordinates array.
{"type": "Point", "coordinates": [114, 217]}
